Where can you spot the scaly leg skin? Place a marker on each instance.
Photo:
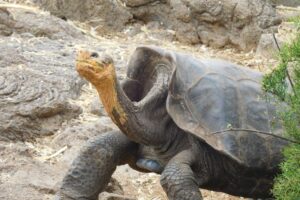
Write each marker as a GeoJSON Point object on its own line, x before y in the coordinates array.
{"type": "Point", "coordinates": [92, 169]}
{"type": "Point", "coordinates": [178, 179]}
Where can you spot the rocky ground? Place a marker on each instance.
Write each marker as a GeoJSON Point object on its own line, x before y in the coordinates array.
{"type": "Point", "coordinates": [47, 112]}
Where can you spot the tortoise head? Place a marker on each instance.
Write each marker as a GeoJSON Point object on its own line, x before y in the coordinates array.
{"type": "Point", "coordinates": [95, 68]}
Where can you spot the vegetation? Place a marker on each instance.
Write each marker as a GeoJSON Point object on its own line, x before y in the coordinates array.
{"type": "Point", "coordinates": [284, 82]}
{"type": "Point", "coordinates": [295, 20]}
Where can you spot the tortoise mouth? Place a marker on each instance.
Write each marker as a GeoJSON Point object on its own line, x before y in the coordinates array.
{"type": "Point", "coordinates": [94, 71]}
{"type": "Point", "coordinates": [85, 69]}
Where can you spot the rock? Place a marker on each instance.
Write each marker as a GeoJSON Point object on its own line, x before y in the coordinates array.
{"type": "Point", "coordinates": [213, 39]}
{"type": "Point", "coordinates": [288, 13]}
{"type": "Point", "coordinates": [6, 21]}
{"type": "Point", "coordinates": [158, 36]}
{"type": "Point", "coordinates": [113, 191]}
{"type": "Point", "coordinates": [157, 13]}
{"type": "Point", "coordinates": [291, 3]}
{"type": "Point", "coordinates": [134, 3]}
{"type": "Point", "coordinates": [39, 24]}
{"type": "Point", "coordinates": [37, 76]}
{"type": "Point", "coordinates": [187, 34]}
{"type": "Point", "coordinates": [77, 134]}
{"type": "Point", "coordinates": [113, 196]}
{"type": "Point", "coordinates": [21, 172]}
{"type": "Point", "coordinates": [182, 10]}
{"type": "Point", "coordinates": [114, 187]}
{"type": "Point", "coordinates": [237, 23]}
{"type": "Point", "coordinates": [267, 46]}
{"type": "Point", "coordinates": [55, 28]}
{"type": "Point", "coordinates": [29, 184]}
{"type": "Point", "coordinates": [33, 104]}
{"type": "Point", "coordinates": [107, 15]}
{"type": "Point", "coordinates": [81, 132]}
{"type": "Point", "coordinates": [132, 30]}
{"type": "Point", "coordinates": [96, 107]}
{"type": "Point", "coordinates": [214, 23]}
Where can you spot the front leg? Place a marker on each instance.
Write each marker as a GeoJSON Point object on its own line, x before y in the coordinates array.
{"type": "Point", "coordinates": [92, 169]}
{"type": "Point", "coordinates": [178, 179]}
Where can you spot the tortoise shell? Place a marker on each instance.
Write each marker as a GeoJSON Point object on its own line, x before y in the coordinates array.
{"type": "Point", "coordinates": [224, 105]}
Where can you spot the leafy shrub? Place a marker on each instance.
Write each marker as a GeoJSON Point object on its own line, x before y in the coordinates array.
{"type": "Point", "coordinates": [287, 184]}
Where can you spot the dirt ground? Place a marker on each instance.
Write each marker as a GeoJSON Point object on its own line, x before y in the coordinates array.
{"type": "Point", "coordinates": [33, 170]}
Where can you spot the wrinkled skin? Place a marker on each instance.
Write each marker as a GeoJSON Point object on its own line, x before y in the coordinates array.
{"type": "Point", "coordinates": [149, 140]}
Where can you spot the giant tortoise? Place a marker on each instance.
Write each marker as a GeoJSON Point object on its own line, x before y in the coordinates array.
{"type": "Point", "coordinates": [198, 123]}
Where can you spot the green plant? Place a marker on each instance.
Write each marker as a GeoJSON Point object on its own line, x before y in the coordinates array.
{"type": "Point", "coordinates": [295, 20]}
{"type": "Point", "coordinates": [287, 184]}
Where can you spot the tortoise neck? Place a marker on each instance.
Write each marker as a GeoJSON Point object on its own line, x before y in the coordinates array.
{"type": "Point", "coordinates": [108, 93]}
{"type": "Point", "coordinates": [119, 108]}
{"type": "Point", "coordinates": [144, 122]}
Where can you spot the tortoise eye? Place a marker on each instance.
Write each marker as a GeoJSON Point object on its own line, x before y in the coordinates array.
{"type": "Point", "coordinates": [94, 55]}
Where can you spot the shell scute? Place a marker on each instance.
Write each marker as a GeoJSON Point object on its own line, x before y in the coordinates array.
{"type": "Point", "coordinates": [224, 105]}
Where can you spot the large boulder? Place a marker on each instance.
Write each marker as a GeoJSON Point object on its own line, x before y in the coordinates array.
{"type": "Point", "coordinates": [237, 23]}
{"type": "Point", "coordinates": [37, 23]}
{"type": "Point", "coordinates": [6, 22]}
{"type": "Point", "coordinates": [268, 46]}
{"type": "Point", "coordinates": [106, 15]}
{"type": "Point", "coordinates": [37, 76]}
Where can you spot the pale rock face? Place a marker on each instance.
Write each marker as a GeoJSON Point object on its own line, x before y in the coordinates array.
{"type": "Point", "coordinates": [106, 15]}
{"type": "Point", "coordinates": [267, 47]}
{"type": "Point", "coordinates": [292, 3]}
{"type": "Point", "coordinates": [36, 74]}
{"type": "Point", "coordinates": [214, 23]}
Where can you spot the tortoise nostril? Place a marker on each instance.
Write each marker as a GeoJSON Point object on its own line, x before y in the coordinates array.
{"type": "Point", "coordinates": [94, 55]}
